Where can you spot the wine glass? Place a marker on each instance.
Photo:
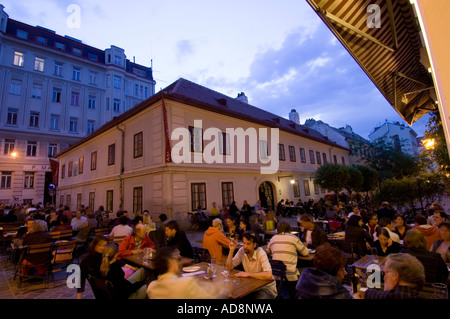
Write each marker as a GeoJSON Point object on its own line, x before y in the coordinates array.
{"type": "Point", "coordinates": [213, 268]}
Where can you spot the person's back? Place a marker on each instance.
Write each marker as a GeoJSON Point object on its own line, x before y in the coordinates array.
{"type": "Point", "coordinates": [35, 237]}
{"type": "Point", "coordinates": [121, 230]}
{"type": "Point", "coordinates": [214, 240]}
{"type": "Point", "coordinates": [183, 244]}
{"type": "Point", "coordinates": [430, 232]}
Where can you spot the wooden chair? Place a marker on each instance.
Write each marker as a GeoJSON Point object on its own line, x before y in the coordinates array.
{"type": "Point", "coordinates": [101, 231]}
{"type": "Point", "coordinates": [349, 251]}
{"type": "Point", "coordinates": [115, 240]}
{"type": "Point", "coordinates": [24, 266]}
{"type": "Point", "coordinates": [102, 289]}
{"type": "Point", "coordinates": [66, 234]}
{"type": "Point", "coordinates": [63, 255]}
{"type": "Point", "coordinates": [279, 274]}
{"type": "Point", "coordinates": [55, 235]}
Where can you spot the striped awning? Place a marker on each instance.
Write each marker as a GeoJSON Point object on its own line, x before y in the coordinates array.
{"type": "Point", "coordinates": [383, 36]}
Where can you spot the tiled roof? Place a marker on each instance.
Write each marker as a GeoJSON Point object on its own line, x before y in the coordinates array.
{"type": "Point", "coordinates": [193, 94]}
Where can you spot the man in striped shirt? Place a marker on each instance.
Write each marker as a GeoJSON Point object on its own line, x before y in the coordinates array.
{"type": "Point", "coordinates": [286, 247]}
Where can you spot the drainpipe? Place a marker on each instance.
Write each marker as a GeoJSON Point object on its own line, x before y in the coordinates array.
{"type": "Point", "coordinates": [122, 167]}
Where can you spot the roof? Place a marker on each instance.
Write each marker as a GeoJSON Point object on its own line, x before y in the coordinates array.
{"type": "Point", "coordinates": [391, 53]}
{"type": "Point", "coordinates": [198, 96]}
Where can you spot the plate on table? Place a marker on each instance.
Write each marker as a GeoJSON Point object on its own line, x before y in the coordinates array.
{"type": "Point", "coordinates": [191, 269]}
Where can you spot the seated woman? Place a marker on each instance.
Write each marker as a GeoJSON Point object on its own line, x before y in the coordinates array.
{"type": "Point", "coordinates": [323, 281]}
{"type": "Point", "coordinates": [401, 227]}
{"type": "Point", "coordinates": [232, 229]}
{"type": "Point", "coordinates": [354, 233]}
{"type": "Point", "coordinates": [384, 244]}
{"type": "Point", "coordinates": [111, 269]}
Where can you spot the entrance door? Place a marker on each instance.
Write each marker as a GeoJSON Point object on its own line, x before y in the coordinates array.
{"type": "Point", "coordinates": [266, 196]}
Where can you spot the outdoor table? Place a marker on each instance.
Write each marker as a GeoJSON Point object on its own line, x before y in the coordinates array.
{"type": "Point", "coordinates": [141, 261]}
{"type": "Point", "coordinates": [368, 260]}
{"type": "Point", "coordinates": [242, 288]}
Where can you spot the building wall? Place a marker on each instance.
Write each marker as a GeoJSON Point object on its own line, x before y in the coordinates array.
{"type": "Point", "coordinates": [19, 85]}
{"type": "Point", "coordinates": [406, 136]}
{"type": "Point", "coordinates": [166, 187]}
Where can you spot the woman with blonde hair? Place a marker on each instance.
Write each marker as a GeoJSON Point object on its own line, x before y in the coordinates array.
{"type": "Point", "coordinates": [110, 269]}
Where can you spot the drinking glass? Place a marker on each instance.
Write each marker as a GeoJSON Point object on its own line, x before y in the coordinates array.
{"type": "Point", "coordinates": [213, 267]}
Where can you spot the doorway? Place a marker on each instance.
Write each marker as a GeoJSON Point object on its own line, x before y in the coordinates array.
{"type": "Point", "coordinates": [266, 196]}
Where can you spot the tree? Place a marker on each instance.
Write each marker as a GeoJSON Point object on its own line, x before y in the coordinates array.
{"type": "Point", "coordinates": [355, 180]}
{"type": "Point", "coordinates": [438, 152]}
{"type": "Point", "coordinates": [370, 178]}
{"type": "Point", "coordinates": [332, 176]}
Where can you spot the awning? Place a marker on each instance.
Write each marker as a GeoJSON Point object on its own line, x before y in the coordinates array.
{"type": "Point", "coordinates": [384, 38]}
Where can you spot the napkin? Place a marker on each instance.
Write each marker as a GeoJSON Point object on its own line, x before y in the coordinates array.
{"type": "Point", "coordinates": [200, 272]}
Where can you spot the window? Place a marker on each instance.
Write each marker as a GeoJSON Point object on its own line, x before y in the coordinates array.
{"type": "Point", "coordinates": [198, 196]}
{"type": "Point", "coordinates": [311, 157]}
{"type": "Point", "coordinates": [81, 167]}
{"type": "Point", "coordinates": [75, 169]}
{"type": "Point", "coordinates": [60, 46]}
{"type": "Point", "coordinates": [136, 89]}
{"type": "Point", "coordinates": [36, 91]}
{"type": "Point", "coordinates": [34, 119]}
{"type": "Point", "coordinates": [91, 102]}
{"type": "Point", "coordinates": [196, 139]}
{"type": "Point", "coordinates": [77, 51]}
{"type": "Point", "coordinates": [68, 200]}
{"type": "Point", "coordinates": [92, 56]}
{"type": "Point", "coordinates": [109, 200]}
{"type": "Point", "coordinates": [56, 97]}
{"type": "Point", "coordinates": [93, 161]}
{"type": "Point", "coordinates": [306, 186]}
{"type": "Point", "coordinates": [111, 154]}
{"type": "Point", "coordinates": [28, 180]}
{"type": "Point", "coordinates": [69, 169]}
{"type": "Point", "coordinates": [292, 153]}
{"type": "Point", "coordinates": [22, 34]}
{"type": "Point", "coordinates": [281, 152]}
{"type": "Point", "coordinates": [6, 180]}
{"type": "Point", "coordinates": [78, 200]}
{"type": "Point", "coordinates": [18, 58]}
{"type": "Point", "coordinates": [117, 60]}
{"type": "Point", "coordinates": [52, 149]}
{"type": "Point", "coordinates": [58, 68]}
{"type": "Point", "coordinates": [116, 106]}
{"type": "Point", "coordinates": [15, 87]}
{"type": "Point", "coordinates": [263, 154]}
{"type": "Point", "coordinates": [63, 171]}
{"type": "Point", "coordinates": [9, 146]}
{"type": "Point", "coordinates": [296, 187]}
{"type": "Point", "coordinates": [224, 144]}
{"type": "Point", "coordinates": [90, 126]}
{"type": "Point", "coordinates": [227, 193]}
{"type": "Point", "coordinates": [54, 122]}
{"type": "Point", "coordinates": [343, 160]}
{"type": "Point", "coordinates": [138, 144]}
{"type": "Point", "coordinates": [107, 103]}
{"type": "Point", "coordinates": [334, 159]}
{"type": "Point", "coordinates": [73, 125]}
{"type": "Point", "coordinates": [92, 200]}
{"type": "Point", "coordinates": [93, 78]}
{"type": "Point", "coordinates": [41, 40]}
{"type": "Point", "coordinates": [76, 73]}
{"type": "Point", "coordinates": [39, 64]}
{"type": "Point", "coordinates": [324, 155]}
{"type": "Point", "coordinates": [316, 188]}
{"type": "Point", "coordinates": [137, 199]}
{"type": "Point", "coordinates": [31, 148]}
{"type": "Point", "coordinates": [318, 158]}
{"type": "Point", "coordinates": [75, 99]}
{"type": "Point", "coordinates": [146, 92]}
{"type": "Point", "coordinates": [12, 117]}
{"type": "Point", "coordinates": [117, 80]}
{"type": "Point", "coordinates": [302, 155]}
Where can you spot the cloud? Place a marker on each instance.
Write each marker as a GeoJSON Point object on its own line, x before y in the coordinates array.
{"type": "Point", "coordinates": [183, 49]}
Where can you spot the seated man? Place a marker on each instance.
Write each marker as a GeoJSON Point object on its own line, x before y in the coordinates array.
{"type": "Point", "coordinates": [170, 285]}
{"type": "Point", "coordinates": [122, 229]}
{"type": "Point", "coordinates": [35, 236]}
{"type": "Point", "coordinates": [178, 239]}
{"type": "Point", "coordinates": [313, 235]}
{"type": "Point", "coordinates": [256, 265]}
{"type": "Point", "coordinates": [404, 277]}
{"type": "Point", "coordinates": [78, 222]}
{"type": "Point", "coordinates": [135, 243]}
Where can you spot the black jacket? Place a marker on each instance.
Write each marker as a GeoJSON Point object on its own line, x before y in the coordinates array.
{"type": "Point", "coordinates": [435, 267]}
{"type": "Point", "coordinates": [182, 243]}
{"type": "Point", "coordinates": [358, 236]}
{"type": "Point", "coordinates": [318, 237]}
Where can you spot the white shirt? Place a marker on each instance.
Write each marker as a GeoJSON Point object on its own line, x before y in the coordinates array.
{"type": "Point", "coordinates": [121, 231]}
{"type": "Point", "coordinates": [78, 223]}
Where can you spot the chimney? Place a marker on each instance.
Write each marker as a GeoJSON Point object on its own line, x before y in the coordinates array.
{"type": "Point", "coordinates": [294, 117]}
{"type": "Point", "coordinates": [241, 97]}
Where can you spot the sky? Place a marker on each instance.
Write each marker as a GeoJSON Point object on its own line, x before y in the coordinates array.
{"type": "Point", "coordinates": [279, 53]}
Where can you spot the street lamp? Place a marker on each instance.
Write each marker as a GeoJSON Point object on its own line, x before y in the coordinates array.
{"type": "Point", "coordinates": [429, 143]}
{"type": "Point", "coordinates": [291, 176]}
{"type": "Point", "coordinates": [13, 154]}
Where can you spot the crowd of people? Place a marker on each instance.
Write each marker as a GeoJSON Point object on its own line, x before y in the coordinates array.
{"type": "Point", "coordinates": [416, 254]}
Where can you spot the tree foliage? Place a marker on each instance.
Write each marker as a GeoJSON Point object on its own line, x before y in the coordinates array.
{"type": "Point", "coordinates": [370, 178]}
{"type": "Point", "coordinates": [332, 176]}
{"type": "Point", "coordinates": [438, 153]}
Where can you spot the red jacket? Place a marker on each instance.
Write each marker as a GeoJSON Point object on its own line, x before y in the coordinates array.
{"type": "Point", "coordinates": [128, 244]}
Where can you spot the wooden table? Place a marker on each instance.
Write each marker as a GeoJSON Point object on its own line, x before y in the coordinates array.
{"type": "Point", "coordinates": [368, 260]}
{"type": "Point", "coordinates": [139, 260]}
{"type": "Point", "coordinates": [244, 287]}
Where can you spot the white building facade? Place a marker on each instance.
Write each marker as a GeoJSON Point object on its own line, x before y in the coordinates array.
{"type": "Point", "coordinates": [55, 90]}
{"type": "Point", "coordinates": [133, 162]}
{"type": "Point", "coordinates": [400, 135]}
